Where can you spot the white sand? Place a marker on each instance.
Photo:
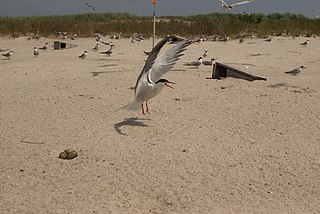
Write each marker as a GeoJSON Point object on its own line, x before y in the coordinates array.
{"type": "Point", "coordinates": [208, 146]}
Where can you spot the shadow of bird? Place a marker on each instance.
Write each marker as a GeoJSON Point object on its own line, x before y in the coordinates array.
{"type": "Point", "coordinates": [132, 121]}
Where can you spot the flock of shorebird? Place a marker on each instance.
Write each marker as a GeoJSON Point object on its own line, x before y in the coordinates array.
{"type": "Point", "coordinates": [150, 82]}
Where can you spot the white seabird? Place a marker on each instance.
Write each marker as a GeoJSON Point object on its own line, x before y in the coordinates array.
{"type": "Point", "coordinates": [194, 63]}
{"type": "Point", "coordinates": [296, 71]}
{"type": "Point", "coordinates": [84, 55]}
{"type": "Point", "coordinates": [149, 83]}
{"type": "Point", "coordinates": [226, 6]}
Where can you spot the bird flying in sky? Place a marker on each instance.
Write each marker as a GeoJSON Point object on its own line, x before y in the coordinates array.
{"type": "Point", "coordinates": [230, 6]}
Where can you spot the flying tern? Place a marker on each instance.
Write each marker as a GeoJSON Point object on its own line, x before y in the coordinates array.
{"type": "Point", "coordinates": [230, 6]}
{"type": "Point", "coordinates": [90, 5]}
{"type": "Point", "coordinates": [149, 83]}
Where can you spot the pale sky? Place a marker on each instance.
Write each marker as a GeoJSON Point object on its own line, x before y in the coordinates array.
{"type": "Point", "coordinates": [309, 8]}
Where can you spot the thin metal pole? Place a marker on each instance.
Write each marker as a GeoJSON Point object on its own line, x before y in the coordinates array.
{"type": "Point", "coordinates": [154, 25]}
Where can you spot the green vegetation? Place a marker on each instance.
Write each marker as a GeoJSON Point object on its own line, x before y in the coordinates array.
{"type": "Point", "coordinates": [86, 25]}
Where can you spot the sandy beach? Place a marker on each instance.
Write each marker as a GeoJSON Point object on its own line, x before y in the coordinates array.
{"type": "Point", "coordinates": [207, 146]}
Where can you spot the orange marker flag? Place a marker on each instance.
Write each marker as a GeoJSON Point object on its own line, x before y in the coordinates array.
{"type": "Point", "coordinates": [154, 2]}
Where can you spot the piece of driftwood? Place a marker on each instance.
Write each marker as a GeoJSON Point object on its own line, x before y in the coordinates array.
{"type": "Point", "coordinates": [222, 71]}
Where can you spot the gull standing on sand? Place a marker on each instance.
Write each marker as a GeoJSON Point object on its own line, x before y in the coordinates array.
{"type": "Point", "coordinates": [8, 55]}
{"type": "Point", "coordinates": [35, 52]}
{"type": "Point", "coordinates": [109, 52]}
{"type": "Point", "coordinates": [98, 37]}
{"type": "Point", "coordinates": [84, 55]}
{"type": "Point", "coordinates": [305, 43]}
{"type": "Point", "coordinates": [226, 6]}
{"type": "Point", "coordinates": [45, 47]}
{"type": "Point", "coordinates": [194, 63]}
{"type": "Point", "coordinates": [211, 62]}
{"type": "Point", "coordinates": [296, 71]}
{"type": "Point", "coordinates": [96, 48]}
{"type": "Point", "coordinates": [269, 39]}
{"type": "Point", "coordinates": [150, 83]}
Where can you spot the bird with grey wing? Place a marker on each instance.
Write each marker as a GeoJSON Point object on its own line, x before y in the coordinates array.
{"type": "Point", "coordinates": [194, 63]}
{"type": "Point", "coordinates": [305, 43]}
{"type": "Point", "coordinates": [269, 39]}
{"type": "Point", "coordinates": [108, 52]}
{"type": "Point", "coordinates": [45, 47]}
{"type": "Point", "coordinates": [84, 55]}
{"type": "Point", "coordinates": [295, 71]}
{"type": "Point", "coordinates": [209, 63]}
{"type": "Point", "coordinates": [226, 6]}
{"type": "Point", "coordinates": [8, 55]}
{"type": "Point", "coordinates": [96, 48]}
{"type": "Point", "coordinates": [91, 6]}
{"type": "Point", "coordinates": [35, 52]}
{"type": "Point", "coordinates": [150, 82]}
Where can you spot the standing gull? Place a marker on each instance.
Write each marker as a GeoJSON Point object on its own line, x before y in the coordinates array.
{"type": "Point", "coordinates": [45, 47]}
{"type": "Point", "coordinates": [8, 55]}
{"type": "Point", "coordinates": [211, 62]}
{"type": "Point", "coordinates": [269, 39]}
{"type": "Point", "coordinates": [84, 55]}
{"type": "Point", "coordinates": [296, 71]}
{"type": "Point", "coordinates": [150, 83]}
{"type": "Point", "coordinates": [96, 48]}
{"type": "Point", "coordinates": [35, 52]}
{"type": "Point", "coordinates": [226, 6]}
{"type": "Point", "coordinates": [305, 43]}
{"type": "Point", "coordinates": [109, 52]}
{"type": "Point", "coordinates": [194, 63]}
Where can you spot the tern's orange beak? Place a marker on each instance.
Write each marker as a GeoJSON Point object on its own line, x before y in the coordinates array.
{"type": "Point", "coordinates": [166, 84]}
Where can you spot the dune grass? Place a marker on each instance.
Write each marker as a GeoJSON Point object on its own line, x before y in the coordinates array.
{"type": "Point", "coordinates": [86, 25]}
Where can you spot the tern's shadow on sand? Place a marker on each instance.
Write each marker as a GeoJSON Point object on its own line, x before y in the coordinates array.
{"type": "Point", "coordinates": [132, 121]}
{"type": "Point", "coordinates": [278, 85]}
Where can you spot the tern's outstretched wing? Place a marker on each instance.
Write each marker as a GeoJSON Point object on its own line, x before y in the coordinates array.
{"type": "Point", "coordinates": [223, 3]}
{"type": "Point", "coordinates": [242, 2]}
{"type": "Point", "coordinates": [149, 63]}
{"type": "Point", "coordinates": [166, 61]}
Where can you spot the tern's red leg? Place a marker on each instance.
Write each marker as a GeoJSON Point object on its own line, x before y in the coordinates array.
{"type": "Point", "coordinates": [142, 109]}
{"type": "Point", "coordinates": [147, 109]}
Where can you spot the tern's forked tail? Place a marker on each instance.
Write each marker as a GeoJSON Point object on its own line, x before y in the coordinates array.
{"type": "Point", "coordinates": [133, 106]}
